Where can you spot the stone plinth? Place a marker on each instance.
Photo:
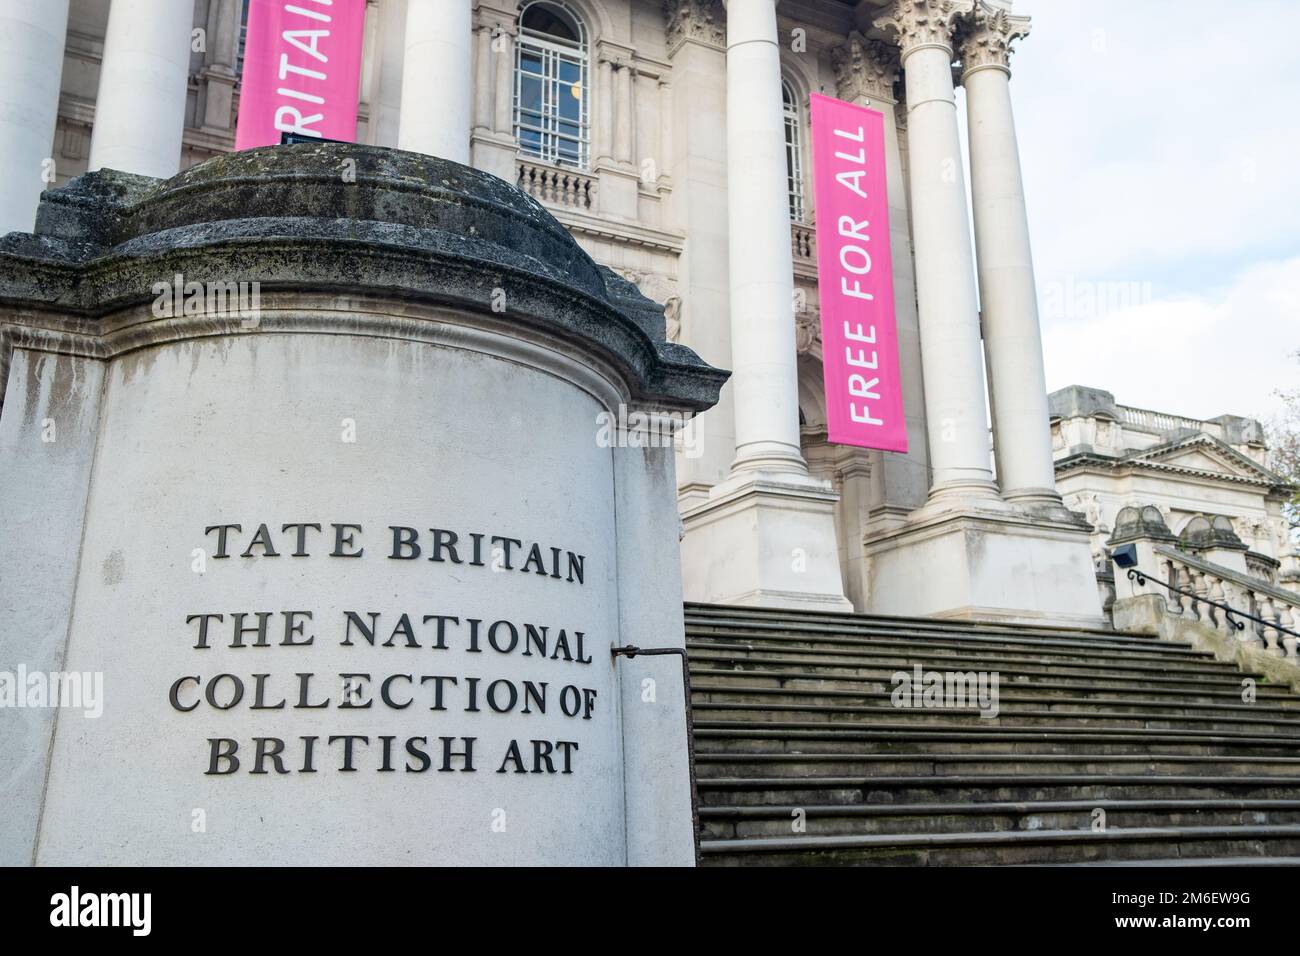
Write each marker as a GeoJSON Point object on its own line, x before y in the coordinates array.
{"type": "Point", "coordinates": [385, 462]}
{"type": "Point", "coordinates": [995, 563]}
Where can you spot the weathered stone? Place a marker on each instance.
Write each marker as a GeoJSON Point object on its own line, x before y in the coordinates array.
{"type": "Point", "coordinates": [233, 516]}
{"type": "Point", "coordinates": [344, 218]}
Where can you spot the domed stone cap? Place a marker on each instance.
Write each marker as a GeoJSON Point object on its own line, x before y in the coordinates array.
{"type": "Point", "coordinates": [1203, 533]}
{"type": "Point", "coordinates": [1140, 523]}
{"type": "Point", "coordinates": [347, 218]}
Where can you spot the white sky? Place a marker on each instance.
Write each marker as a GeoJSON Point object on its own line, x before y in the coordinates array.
{"type": "Point", "coordinates": [1161, 151]}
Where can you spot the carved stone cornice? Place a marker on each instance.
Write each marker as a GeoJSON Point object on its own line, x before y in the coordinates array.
{"type": "Point", "coordinates": [703, 21]}
{"type": "Point", "coordinates": [985, 38]}
{"type": "Point", "coordinates": [924, 23]}
{"type": "Point", "coordinates": [501, 15]}
{"type": "Point", "coordinates": [496, 29]}
{"type": "Point", "coordinates": [616, 61]}
{"type": "Point", "coordinates": [865, 68]}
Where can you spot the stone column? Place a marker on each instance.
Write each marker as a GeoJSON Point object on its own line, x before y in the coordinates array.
{"type": "Point", "coordinates": [613, 130]}
{"type": "Point", "coordinates": [140, 106]}
{"type": "Point", "coordinates": [492, 142]}
{"type": "Point", "coordinates": [982, 558]}
{"type": "Point", "coordinates": [504, 102]}
{"type": "Point", "coordinates": [31, 65]}
{"type": "Point", "coordinates": [666, 100]}
{"type": "Point", "coordinates": [604, 119]}
{"type": "Point", "coordinates": [764, 378]}
{"type": "Point", "coordinates": [437, 79]}
{"type": "Point", "coordinates": [623, 77]}
{"type": "Point", "coordinates": [695, 159]}
{"type": "Point", "coordinates": [483, 76]}
{"type": "Point", "coordinates": [865, 73]}
{"type": "Point", "coordinates": [1012, 342]}
{"type": "Point", "coordinates": [218, 78]}
{"type": "Point", "coordinates": [945, 262]}
{"type": "Point", "coordinates": [386, 82]}
{"type": "Point", "coordinates": [766, 535]}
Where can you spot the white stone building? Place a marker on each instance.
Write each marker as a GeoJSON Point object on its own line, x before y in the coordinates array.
{"type": "Point", "coordinates": [671, 138]}
{"type": "Point", "coordinates": [1198, 474]}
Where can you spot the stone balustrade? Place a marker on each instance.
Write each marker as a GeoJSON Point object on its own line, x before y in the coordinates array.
{"type": "Point", "coordinates": [1262, 566]}
{"type": "Point", "coordinates": [803, 244]}
{"type": "Point", "coordinates": [557, 186]}
{"type": "Point", "coordinates": [1158, 421]}
{"type": "Point", "coordinates": [1278, 610]}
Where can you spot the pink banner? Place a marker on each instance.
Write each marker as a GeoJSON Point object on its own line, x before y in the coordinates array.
{"type": "Point", "coordinates": [302, 70]}
{"type": "Point", "coordinates": [855, 281]}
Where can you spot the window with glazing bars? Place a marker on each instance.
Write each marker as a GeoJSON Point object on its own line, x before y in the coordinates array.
{"type": "Point", "coordinates": [243, 40]}
{"type": "Point", "coordinates": [551, 115]}
{"type": "Point", "coordinates": [793, 153]}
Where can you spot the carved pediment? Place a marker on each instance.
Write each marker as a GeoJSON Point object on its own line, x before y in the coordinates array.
{"type": "Point", "coordinates": [1204, 454]}
{"type": "Point", "coordinates": [1201, 460]}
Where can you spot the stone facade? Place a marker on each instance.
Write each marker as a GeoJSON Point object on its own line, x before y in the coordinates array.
{"type": "Point", "coordinates": [147, 427]}
{"type": "Point", "coordinates": [1208, 480]}
{"type": "Point", "coordinates": [685, 158]}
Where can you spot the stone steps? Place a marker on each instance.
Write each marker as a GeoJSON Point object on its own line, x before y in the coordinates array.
{"type": "Point", "coordinates": [1055, 700]}
{"type": "Point", "coordinates": [987, 788]}
{"type": "Point", "coordinates": [795, 724]}
{"type": "Point", "coordinates": [746, 822]}
{"type": "Point", "coordinates": [868, 766]}
{"type": "Point", "coordinates": [1007, 847]}
{"type": "Point", "coordinates": [1026, 717]}
{"type": "Point", "coordinates": [726, 737]}
{"type": "Point", "coordinates": [1066, 687]}
{"type": "Point", "coordinates": [761, 620]}
{"type": "Point", "coordinates": [891, 642]}
{"type": "Point", "coordinates": [748, 658]}
{"type": "Point", "coordinates": [742, 681]}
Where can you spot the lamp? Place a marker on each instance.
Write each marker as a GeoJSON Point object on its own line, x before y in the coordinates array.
{"type": "Point", "coordinates": [1125, 556]}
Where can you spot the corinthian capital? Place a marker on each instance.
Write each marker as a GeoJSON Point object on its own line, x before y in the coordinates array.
{"type": "Point", "coordinates": [924, 22]}
{"type": "Point", "coordinates": [985, 38]}
{"type": "Point", "coordinates": [865, 68]}
{"type": "Point", "coordinates": [704, 21]}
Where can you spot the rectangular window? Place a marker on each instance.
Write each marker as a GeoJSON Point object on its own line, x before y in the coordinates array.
{"type": "Point", "coordinates": [243, 38]}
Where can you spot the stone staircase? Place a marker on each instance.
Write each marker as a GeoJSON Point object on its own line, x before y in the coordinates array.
{"type": "Point", "coordinates": [802, 759]}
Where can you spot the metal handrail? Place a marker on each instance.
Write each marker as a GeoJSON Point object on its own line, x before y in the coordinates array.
{"type": "Point", "coordinates": [1230, 613]}
{"type": "Point", "coordinates": [630, 651]}
{"type": "Point", "coordinates": [1247, 581]}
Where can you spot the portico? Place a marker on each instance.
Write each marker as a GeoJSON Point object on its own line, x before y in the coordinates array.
{"type": "Point", "coordinates": [978, 548]}
{"type": "Point", "coordinates": [672, 143]}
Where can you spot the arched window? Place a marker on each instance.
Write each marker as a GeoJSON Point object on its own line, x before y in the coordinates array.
{"type": "Point", "coordinates": [551, 84]}
{"type": "Point", "coordinates": [793, 152]}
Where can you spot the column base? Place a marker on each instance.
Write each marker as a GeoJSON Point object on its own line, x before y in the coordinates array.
{"type": "Point", "coordinates": [767, 540]}
{"type": "Point", "coordinates": [984, 561]}
{"type": "Point", "coordinates": [1043, 502]}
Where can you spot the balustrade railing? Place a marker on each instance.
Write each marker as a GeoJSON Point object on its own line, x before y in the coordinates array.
{"type": "Point", "coordinates": [803, 244]}
{"type": "Point", "coordinates": [557, 186]}
{"type": "Point", "coordinates": [1143, 418]}
{"type": "Point", "coordinates": [1235, 604]}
